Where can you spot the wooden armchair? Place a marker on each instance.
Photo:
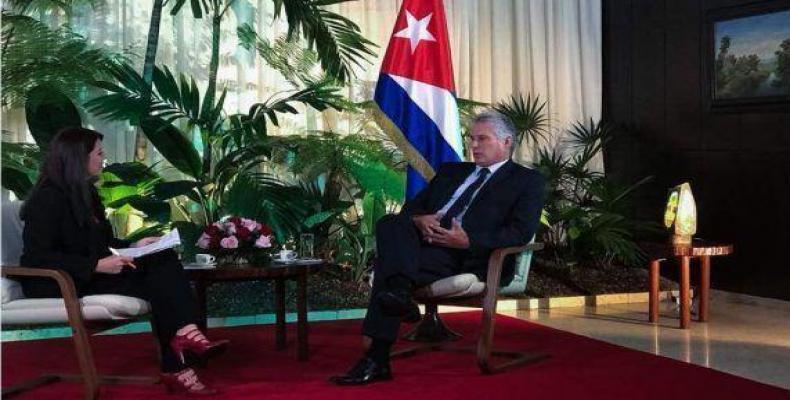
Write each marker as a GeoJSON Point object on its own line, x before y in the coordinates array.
{"type": "Point", "coordinates": [84, 315]}
{"type": "Point", "coordinates": [467, 290]}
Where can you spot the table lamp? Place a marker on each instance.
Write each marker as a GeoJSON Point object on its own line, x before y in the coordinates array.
{"type": "Point", "coordinates": [682, 213]}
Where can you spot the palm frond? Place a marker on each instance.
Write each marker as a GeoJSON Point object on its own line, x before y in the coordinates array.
{"type": "Point", "coordinates": [265, 198]}
{"type": "Point", "coordinates": [609, 236]}
{"type": "Point", "coordinates": [42, 6]}
{"type": "Point", "coordinates": [174, 98]}
{"type": "Point", "coordinates": [337, 40]}
{"type": "Point", "coordinates": [34, 54]}
{"type": "Point", "coordinates": [295, 63]}
{"type": "Point", "coordinates": [198, 7]}
{"type": "Point", "coordinates": [319, 95]}
{"type": "Point", "coordinates": [528, 115]}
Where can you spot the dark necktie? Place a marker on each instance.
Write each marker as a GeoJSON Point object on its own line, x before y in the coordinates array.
{"type": "Point", "coordinates": [463, 201]}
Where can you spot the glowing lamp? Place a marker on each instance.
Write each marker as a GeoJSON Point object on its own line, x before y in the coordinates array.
{"type": "Point", "coordinates": [682, 213]}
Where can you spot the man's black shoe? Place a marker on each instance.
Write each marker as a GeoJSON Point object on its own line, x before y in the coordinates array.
{"type": "Point", "coordinates": [399, 304]}
{"type": "Point", "coordinates": [365, 371]}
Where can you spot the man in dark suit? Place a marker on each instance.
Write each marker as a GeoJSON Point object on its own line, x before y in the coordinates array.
{"type": "Point", "coordinates": [451, 227]}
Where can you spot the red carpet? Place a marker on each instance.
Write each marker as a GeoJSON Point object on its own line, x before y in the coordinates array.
{"type": "Point", "coordinates": [579, 368]}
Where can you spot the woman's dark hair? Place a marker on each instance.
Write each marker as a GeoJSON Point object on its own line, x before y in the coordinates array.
{"type": "Point", "coordinates": [66, 167]}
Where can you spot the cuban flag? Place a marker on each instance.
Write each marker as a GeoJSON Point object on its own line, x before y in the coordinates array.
{"type": "Point", "coordinates": [415, 93]}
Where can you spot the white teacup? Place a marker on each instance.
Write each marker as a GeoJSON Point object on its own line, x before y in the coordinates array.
{"type": "Point", "coordinates": [205, 259]}
{"type": "Point", "coordinates": [286, 255]}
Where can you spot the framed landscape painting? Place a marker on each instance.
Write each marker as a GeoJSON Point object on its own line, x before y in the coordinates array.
{"type": "Point", "coordinates": [748, 54]}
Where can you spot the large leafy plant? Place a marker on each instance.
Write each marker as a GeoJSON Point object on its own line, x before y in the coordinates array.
{"type": "Point", "coordinates": [349, 182]}
{"type": "Point", "coordinates": [587, 215]}
{"type": "Point", "coordinates": [225, 162]}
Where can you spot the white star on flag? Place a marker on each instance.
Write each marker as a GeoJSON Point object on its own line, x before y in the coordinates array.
{"type": "Point", "coordinates": [416, 30]}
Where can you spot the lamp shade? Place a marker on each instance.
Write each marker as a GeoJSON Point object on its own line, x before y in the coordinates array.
{"type": "Point", "coordinates": [681, 213]}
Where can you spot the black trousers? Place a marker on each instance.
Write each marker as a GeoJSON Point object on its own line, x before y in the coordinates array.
{"type": "Point", "coordinates": [400, 251]}
{"type": "Point", "coordinates": [160, 279]}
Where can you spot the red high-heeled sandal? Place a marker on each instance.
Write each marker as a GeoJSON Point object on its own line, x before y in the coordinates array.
{"type": "Point", "coordinates": [186, 382]}
{"type": "Point", "coordinates": [195, 342]}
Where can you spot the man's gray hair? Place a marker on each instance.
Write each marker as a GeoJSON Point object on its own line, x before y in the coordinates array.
{"type": "Point", "coordinates": [503, 127]}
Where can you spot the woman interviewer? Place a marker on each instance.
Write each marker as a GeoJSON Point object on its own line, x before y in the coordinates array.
{"type": "Point", "coordinates": [66, 228]}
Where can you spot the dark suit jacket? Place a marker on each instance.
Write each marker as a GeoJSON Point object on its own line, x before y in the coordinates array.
{"type": "Point", "coordinates": [505, 212]}
{"type": "Point", "coordinates": [53, 239]}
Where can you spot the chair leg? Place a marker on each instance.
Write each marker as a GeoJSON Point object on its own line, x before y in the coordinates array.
{"type": "Point", "coordinates": [45, 379]}
{"type": "Point", "coordinates": [82, 346]}
{"type": "Point", "coordinates": [485, 351]}
{"type": "Point", "coordinates": [484, 342]}
{"type": "Point", "coordinates": [431, 328]}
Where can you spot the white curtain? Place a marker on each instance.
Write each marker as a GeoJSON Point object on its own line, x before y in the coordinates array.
{"type": "Point", "coordinates": [550, 48]}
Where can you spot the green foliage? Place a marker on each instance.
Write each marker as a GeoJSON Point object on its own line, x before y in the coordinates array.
{"type": "Point", "coordinates": [294, 62]}
{"type": "Point", "coordinates": [130, 187]}
{"type": "Point", "coordinates": [42, 6]}
{"type": "Point", "coordinates": [369, 166]}
{"type": "Point", "coordinates": [47, 112]}
{"type": "Point", "coordinates": [35, 55]}
{"type": "Point", "coordinates": [353, 181]}
{"type": "Point", "coordinates": [336, 39]}
{"type": "Point", "coordinates": [528, 115]}
{"type": "Point", "coordinates": [586, 214]}
{"type": "Point", "coordinates": [21, 162]}
{"type": "Point", "coordinates": [783, 66]}
{"type": "Point", "coordinates": [198, 7]}
{"type": "Point", "coordinates": [265, 198]}
{"type": "Point", "coordinates": [173, 145]}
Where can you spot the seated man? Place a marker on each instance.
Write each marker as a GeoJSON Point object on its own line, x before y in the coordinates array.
{"type": "Point", "coordinates": [451, 227]}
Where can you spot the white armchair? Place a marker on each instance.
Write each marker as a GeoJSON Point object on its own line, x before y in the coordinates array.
{"type": "Point", "coordinates": [98, 311]}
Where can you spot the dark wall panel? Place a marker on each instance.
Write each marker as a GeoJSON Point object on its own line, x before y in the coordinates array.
{"type": "Point", "coordinates": [738, 162]}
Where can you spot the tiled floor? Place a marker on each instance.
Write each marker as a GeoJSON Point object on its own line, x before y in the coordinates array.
{"type": "Point", "coordinates": [746, 336]}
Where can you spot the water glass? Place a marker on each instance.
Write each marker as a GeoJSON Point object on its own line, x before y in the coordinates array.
{"type": "Point", "coordinates": [306, 244]}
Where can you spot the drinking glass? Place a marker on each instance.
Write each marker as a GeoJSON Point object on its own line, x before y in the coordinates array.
{"type": "Point", "coordinates": [306, 244]}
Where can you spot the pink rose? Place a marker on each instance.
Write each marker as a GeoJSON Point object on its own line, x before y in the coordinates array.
{"type": "Point", "coordinates": [263, 242]}
{"type": "Point", "coordinates": [204, 241]}
{"type": "Point", "coordinates": [229, 242]}
{"type": "Point", "coordinates": [249, 224]}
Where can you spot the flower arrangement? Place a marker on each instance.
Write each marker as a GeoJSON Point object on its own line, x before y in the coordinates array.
{"type": "Point", "coordinates": [235, 236]}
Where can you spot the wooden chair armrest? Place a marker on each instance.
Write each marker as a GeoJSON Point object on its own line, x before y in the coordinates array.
{"type": "Point", "coordinates": [495, 270]}
{"type": "Point", "coordinates": [67, 288]}
{"type": "Point", "coordinates": [498, 257]}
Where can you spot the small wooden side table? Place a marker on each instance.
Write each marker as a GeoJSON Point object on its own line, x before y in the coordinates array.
{"type": "Point", "coordinates": [279, 273]}
{"type": "Point", "coordinates": [701, 249]}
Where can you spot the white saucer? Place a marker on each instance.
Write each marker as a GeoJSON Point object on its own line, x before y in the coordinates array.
{"type": "Point", "coordinates": [298, 261]}
{"type": "Point", "coordinates": [200, 266]}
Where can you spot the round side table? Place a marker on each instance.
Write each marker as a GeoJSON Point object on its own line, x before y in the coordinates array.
{"type": "Point", "coordinates": [701, 249]}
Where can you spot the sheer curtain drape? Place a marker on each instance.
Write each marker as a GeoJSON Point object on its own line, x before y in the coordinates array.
{"type": "Point", "coordinates": [550, 48]}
